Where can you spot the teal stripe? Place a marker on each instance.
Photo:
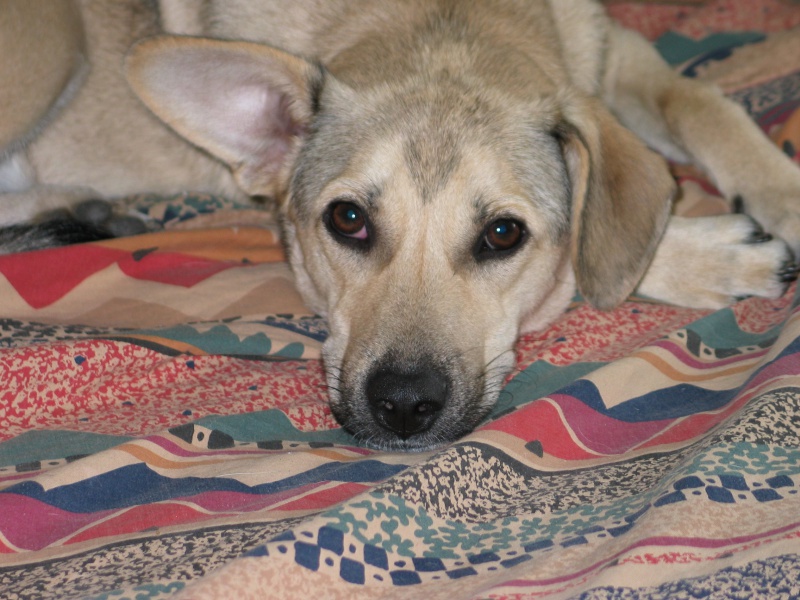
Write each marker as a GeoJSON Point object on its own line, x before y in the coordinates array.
{"type": "Point", "coordinates": [269, 425]}
{"type": "Point", "coordinates": [677, 49]}
{"type": "Point", "coordinates": [54, 445]}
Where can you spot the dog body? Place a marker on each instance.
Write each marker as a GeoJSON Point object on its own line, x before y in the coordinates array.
{"type": "Point", "coordinates": [95, 139]}
{"type": "Point", "coordinates": [447, 173]}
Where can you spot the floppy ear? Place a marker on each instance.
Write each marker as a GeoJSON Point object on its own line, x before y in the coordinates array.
{"type": "Point", "coordinates": [245, 103]}
{"type": "Point", "coordinates": [621, 198]}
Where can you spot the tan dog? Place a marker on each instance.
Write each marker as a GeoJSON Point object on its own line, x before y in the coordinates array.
{"type": "Point", "coordinates": [447, 172]}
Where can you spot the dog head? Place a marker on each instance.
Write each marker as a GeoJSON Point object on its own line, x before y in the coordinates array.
{"type": "Point", "coordinates": [429, 222]}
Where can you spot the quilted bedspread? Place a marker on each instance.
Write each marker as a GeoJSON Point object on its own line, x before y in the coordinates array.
{"type": "Point", "coordinates": [165, 431]}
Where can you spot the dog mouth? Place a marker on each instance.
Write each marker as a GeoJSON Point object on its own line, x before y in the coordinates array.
{"type": "Point", "coordinates": [410, 405]}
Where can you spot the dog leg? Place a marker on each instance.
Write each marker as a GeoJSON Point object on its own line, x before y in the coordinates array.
{"type": "Point", "coordinates": [688, 120]}
{"type": "Point", "coordinates": [710, 262]}
{"type": "Point", "coordinates": [42, 65]}
{"type": "Point", "coordinates": [44, 217]}
{"type": "Point", "coordinates": [28, 205]}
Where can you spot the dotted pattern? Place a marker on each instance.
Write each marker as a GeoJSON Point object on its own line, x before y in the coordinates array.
{"type": "Point", "coordinates": [730, 489]}
{"type": "Point", "coordinates": [331, 550]}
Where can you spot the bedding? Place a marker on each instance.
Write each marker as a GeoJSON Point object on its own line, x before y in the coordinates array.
{"type": "Point", "coordinates": [165, 431]}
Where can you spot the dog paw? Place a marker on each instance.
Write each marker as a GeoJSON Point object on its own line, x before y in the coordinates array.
{"type": "Point", "coordinates": [778, 214]}
{"type": "Point", "coordinates": [86, 221]}
{"type": "Point", "coordinates": [711, 262]}
{"type": "Point", "coordinates": [100, 215]}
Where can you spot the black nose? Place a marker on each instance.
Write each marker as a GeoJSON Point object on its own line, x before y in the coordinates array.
{"type": "Point", "coordinates": [406, 401]}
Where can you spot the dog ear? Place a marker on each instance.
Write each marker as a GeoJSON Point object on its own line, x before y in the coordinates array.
{"type": "Point", "coordinates": [247, 104]}
{"type": "Point", "coordinates": [621, 199]}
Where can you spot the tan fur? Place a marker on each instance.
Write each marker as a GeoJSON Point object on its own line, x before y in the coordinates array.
{"type": "Point", "coordinates": [104, 143]}
{"type": "Point", "coordinates": [44, 55]}
{"type": "Point", "coordinates": [430, 122]}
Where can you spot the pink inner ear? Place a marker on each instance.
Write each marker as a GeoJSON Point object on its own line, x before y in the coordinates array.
{"type": "Point", "coordinates": [252, 118]}
{"type": "Point", "coordinates": [261, 122]}
{"type": "Point", "coordinates": [234, 102]}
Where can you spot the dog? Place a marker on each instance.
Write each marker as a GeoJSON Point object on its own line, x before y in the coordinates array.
{"type": "Point", "coordinates": [447, 173]}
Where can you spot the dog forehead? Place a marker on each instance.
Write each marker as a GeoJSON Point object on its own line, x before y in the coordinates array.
{"type": "Point", "coordinates": [434, 140]}
{"type": "Point", "coordinates": [467, 180]}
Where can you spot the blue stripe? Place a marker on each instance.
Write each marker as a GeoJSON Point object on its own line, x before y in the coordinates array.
{"type": "Point", "coordinates": [138, 484]}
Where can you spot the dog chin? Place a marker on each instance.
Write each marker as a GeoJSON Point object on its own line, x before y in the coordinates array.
{"type": "Point", "coordinates": [379, 439]}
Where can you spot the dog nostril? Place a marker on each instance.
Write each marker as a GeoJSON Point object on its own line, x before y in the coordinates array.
{"type": "Point", "coordinates": [422, 407]}
{"type": "Point", "coordinates": [406, 402]}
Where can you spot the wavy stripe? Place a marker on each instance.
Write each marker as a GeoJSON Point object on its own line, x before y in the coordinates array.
{"type": "Point", "coordinates": [664, 404]}
{"type": "Point", "coordinates": [43, 525]}
{"type": "Point", "coordinates": [233, 339]}
{"type": "Point", "coordinates": [226, 501]}
{"type": "Point", "coordinates": [109, 297]}
{"type": "Point", "coordinates": [311, 459]}
{"type": "Point", "coordinates": [6, 547]}
{"type": "Point", "coordinates": [569, 430]}
{"type": "Point", "coordinates": [324, 498]}
{"type": "Point", "coordinates": [601, 433]}
{"type": "Point", "coordinates": [683, 399]}
{"type": "Point", "coordinates": [40, 278]}
{"type": "Point", "coordinates": [200, 508]}
{"type": "Point", "coordinates": [543, 416]}
{"type": "Point", "coordinates": [629, 379]}
{"type": "Point", "coordinates": [258, 244]}
{"type": "Point", "coordinates": [694, 363]}
{"type": "Point", "coordinates": [154, 342]}
{"type": "Point", "coordinates": [138, 484]}
{"type": "Point", "coordinates": [10, 480]}
{"type": "Point", "coordinates": [786, 366]}
{"type": "Point", "coordinates": [713, 371]}
{"type": "Point", "coordinates": [633, 424]}
{"type": "Point", "coordinates": [696, 425]}
{"type": "Point", "coordinates": [687, 429]}
{"type": "Point", "coordinates": [657, 541]}
{"type": "Point", "coordinates": [54, 527]}
{"type": "Point", "coordinates": [139, 519]}
{"type": "Point", "coordinates": [153, 459]}
{"type": "Point", "coordinates": [184, 451]}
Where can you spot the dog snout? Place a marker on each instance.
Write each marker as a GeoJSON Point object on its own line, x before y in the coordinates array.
{"type": "Point", "coordinates": [407, 402]}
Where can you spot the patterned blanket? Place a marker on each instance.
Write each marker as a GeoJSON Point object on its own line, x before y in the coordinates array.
{"type": "Point", "coordinates": [165, 431]}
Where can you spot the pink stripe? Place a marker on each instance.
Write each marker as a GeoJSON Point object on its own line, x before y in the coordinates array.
{"type": "Point", "coordinates": [173, 448]}
{"type": "Point", "coordinates": [604, 434]}
{"type": "Point", "coordinates": [788, 366]}
{"type": "Point", "coordinates": [689, 360]}
{"type": "Point", "coordinates": [654, 541]}
{"type": "Point", "coordinates": [244, 502]}
{"type": "Point", "coordinates": [32, 525]}
{"type": "Point", "coordinates": [691, 426]}
{"type": "Point", "coordinates": [176, 450]}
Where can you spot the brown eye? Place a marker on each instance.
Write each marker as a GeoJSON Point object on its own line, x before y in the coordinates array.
{"type": "Point", "coordinates": [503, 234]}
{"type": "Point", "coordinates": [347, 221]}
{"type": "Point", "coordinates": [500, 238]}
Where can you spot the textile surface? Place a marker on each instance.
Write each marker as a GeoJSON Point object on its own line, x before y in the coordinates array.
{"type": "Point", "coordinates": [165, 432]}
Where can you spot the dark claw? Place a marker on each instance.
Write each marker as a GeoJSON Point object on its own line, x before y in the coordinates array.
{"type": "Point", "coordinates": [737, 205]}
{"type": "Point", "coordinates": [789, 272]}
{"type": "Point", "coordinates": [759, 237]}
{"type": "Point", "coordinates": [100, 215]}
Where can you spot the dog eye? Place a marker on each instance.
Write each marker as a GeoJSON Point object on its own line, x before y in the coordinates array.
{"type": "Point", "coordinates": [347, 221]}
{"type": "Point", "coordinates": [500, 238]}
